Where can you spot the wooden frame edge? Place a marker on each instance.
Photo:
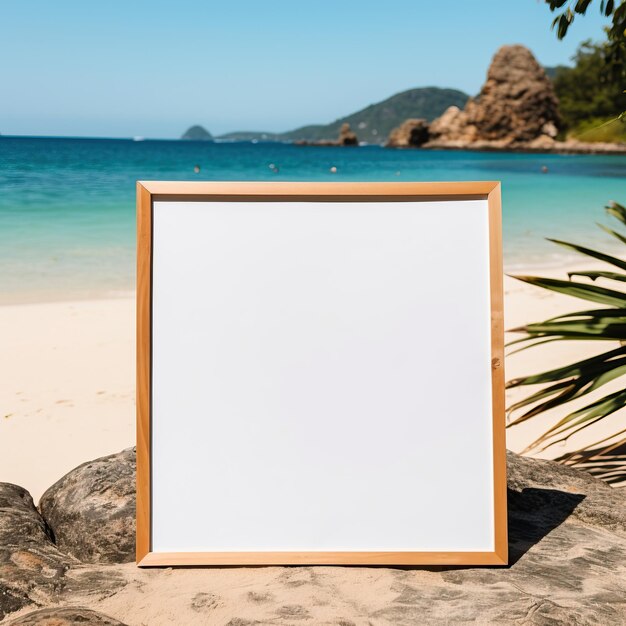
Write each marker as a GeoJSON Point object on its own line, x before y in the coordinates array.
{"type": "Point", "coordinates": [144, 362]}
{"type": "Point", "coordinates": [496, 278]}
{"type": "Point", "coordinates": [216, 559]}
{"type": "Point", "coordinates": [146, 192]}
{"type": "Point", "coordinates": [255, 188]}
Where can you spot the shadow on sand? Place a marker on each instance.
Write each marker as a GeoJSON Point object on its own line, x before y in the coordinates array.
{"type": "Point", "coordinates": [533, 513]}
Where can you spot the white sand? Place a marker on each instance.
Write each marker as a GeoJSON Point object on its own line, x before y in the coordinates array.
{"type": "Point", "coordinates": [68, 377]}
{"type": "Point", "coordinates": [67, 390]}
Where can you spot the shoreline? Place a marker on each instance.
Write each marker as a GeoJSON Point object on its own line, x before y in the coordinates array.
{"type": "Point", "coordinates": [58, 296]}
{"type": "Point", "coordinates": [570, 146]}
{"type": "Point", "coordinates": [559, 147]}
{"type": "Point", "coordinates": [69, 382]}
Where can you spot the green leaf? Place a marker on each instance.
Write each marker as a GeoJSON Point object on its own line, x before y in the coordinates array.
{"type": "Point", "coordinates": [572, 369]}
{"type": "Point", "coordinates": [617, 211]}
{"type": "Point", "coordinates": [613, 233]}
{"type": "Point", "coordinates": [578, 420]}
{"type": "Point", "coordinates": [581, 6]}
{"type": "Point", "coordinates": [595, 275]}
{"type": "Point", "coordinates": [592, 253]}
{"type": "Point", "coordinates": [592, 293]}
{"type": "Point", "coordinates": [584, 329]}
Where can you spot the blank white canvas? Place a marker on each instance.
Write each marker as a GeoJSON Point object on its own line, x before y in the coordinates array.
{"type": "Point", "coordinates": [321, 377]}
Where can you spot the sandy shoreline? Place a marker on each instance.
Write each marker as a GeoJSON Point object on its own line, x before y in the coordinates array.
{"type": "Point", "coordinates": [68, 380]}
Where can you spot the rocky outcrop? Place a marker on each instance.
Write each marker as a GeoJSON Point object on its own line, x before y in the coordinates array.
{"type": "Point", "coordinates": [33, 571]}
{"type": "Point", "coordinates": [516, 110]}
{"type": "Point", "coordinates": [453, 125]}
{"type": "Point", "coordinates": [65, 617]}
{"type": "Point", "coordinates": [410, 134]}
{"type": "Point", "coordinates": [516, 105]}
{"type": "Point", "coordinates": [567, 554]}
{"type": "Point", "coordinates": [91, 510]}
{"type": "Point", "coordinates": [30, 564]}
{"type": "Point", "coordinates": [346, 138]}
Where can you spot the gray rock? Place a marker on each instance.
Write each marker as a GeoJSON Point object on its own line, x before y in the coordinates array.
{"type": "Point", "coordinates": [33, 571]}
{"type": "Point", "coordinates": [65, 617]}
{"type": "Point", "coordinates": [30, 564]}
{"type": "Point", "coordinates": [91, 510]}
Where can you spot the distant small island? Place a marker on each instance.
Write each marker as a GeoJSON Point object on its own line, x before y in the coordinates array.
{"type": "Point", "coordinates": [197, 133]}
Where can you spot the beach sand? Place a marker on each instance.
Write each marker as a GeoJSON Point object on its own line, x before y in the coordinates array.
{"type": "Point", "coordinates": [68, 380]}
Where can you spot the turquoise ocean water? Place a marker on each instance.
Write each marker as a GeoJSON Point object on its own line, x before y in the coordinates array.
{"type": "Point", "coordinates": [67, 206]}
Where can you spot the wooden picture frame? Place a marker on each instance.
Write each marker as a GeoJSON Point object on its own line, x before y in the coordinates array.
{"type": "Point", "coordinates": [150, 192]}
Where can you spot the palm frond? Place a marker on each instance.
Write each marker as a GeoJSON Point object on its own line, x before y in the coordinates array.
{"type": "Point", "coordinates": [593, 293]}
{"type": "Point", "coordinates": [560, 386]}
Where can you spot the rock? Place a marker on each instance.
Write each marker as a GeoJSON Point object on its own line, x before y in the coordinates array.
{"type": "Point", "coordinates": [31, 567]}
{"type": "Point", "coordinates": [33, 571]}
{"type": "Point", "coordinates": [516, 105]}
{"type": "Point", "coordinates": [542, 143]}
{"type": "Point", "coordinates": [549, 130]}
{"type": "Point", "coordinates": [453, 125]}
{"type": "Point", "coordinates": [197, 133]}
{"type": "Point", "coordinates": [346, 136]}
{"type": "Point", "coordinates": [65, 617]}
{"type": "Point", "coordinates": [91, 510]}
{"type": "Point", "coordinates": [567, 551]}
{"type": "Point", "coordinates": [412, 133]}
{"type": "Point", "coordinates": [599, 504]}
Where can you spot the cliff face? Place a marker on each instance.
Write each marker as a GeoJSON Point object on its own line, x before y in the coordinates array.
{"type": "Point", "coordinates": [516, 106]}
{"type": "Point", "coordinates": [410, 134]}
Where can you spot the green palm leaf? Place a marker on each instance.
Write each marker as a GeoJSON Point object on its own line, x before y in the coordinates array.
{"type": "Point", "coordinates": [607, 258]}
{"type": "Point", "coordinates": [560, 386]}
{"type": "Point", "coordinates": [593, 293]}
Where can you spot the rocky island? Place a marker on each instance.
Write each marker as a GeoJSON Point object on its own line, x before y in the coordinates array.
{"type": "Point", "coordinates": [517, 109]}
{"type": "Point", "coordinates": [197, 133]}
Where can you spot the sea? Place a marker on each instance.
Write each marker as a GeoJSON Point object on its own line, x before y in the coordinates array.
{"type": "Point", "coordinates": [67, 205]}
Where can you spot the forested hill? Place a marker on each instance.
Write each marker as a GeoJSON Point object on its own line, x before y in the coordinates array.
{"type": "Point", "coordinates": [373, 123]}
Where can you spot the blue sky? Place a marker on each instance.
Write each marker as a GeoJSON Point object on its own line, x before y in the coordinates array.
{"type": "Point", "coordinates": [152, 68]}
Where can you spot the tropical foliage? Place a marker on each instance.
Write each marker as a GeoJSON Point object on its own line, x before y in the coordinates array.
{"type": "Point", "coordinates": [591, 94]}
{"type": "Point", "coordinates": [588, 98]}
{"type": "Point", "coordinates": [564, 385]}
{"type": "Point", "coordinates": [615, 49]}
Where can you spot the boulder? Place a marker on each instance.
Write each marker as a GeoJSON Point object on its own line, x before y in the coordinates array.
{"type": "Point", "coordinates": [516, 105]}
{"type": "Point", "coordinates": [453, 125]}
{"type": "Point", "coordinates": [346, 136]}
{"type": "Point", "coordinates": [33, 571]}
{"type": "Point", "coordinates": [64, 617]}
{"type": "Point", "coordinates": [31, 567]}
{"type": "Point", "coordinates": [412, 133]}
{"type": "Point", "coordinates": [91, 510]}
